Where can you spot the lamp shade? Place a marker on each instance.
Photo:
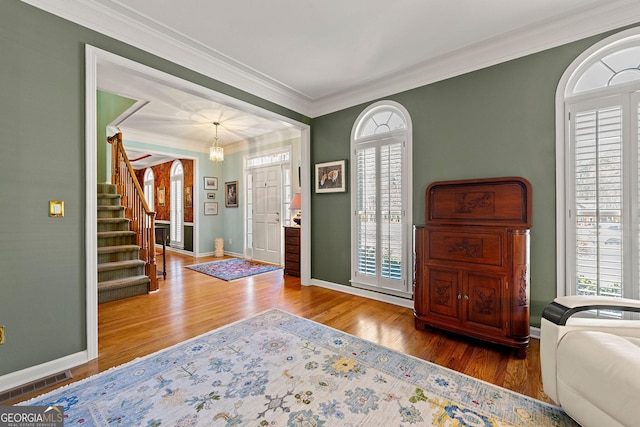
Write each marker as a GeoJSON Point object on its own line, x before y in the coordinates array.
{"type": "Point", "coordinates": [216, 153]}
{"type": "Point", "coordinates": [296, 202]}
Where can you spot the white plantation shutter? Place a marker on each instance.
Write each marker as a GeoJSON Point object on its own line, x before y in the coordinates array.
{"type": "Point", "coordinates": [380, 245]}
{"type": "Point", "coordinates": [176, 196]}
{"type": "Point", "coordinates": [366, 216]}
{"type": "Point", "coordinates": [391, 210]}
{"type": "Point", "coordinates": [599, 220]}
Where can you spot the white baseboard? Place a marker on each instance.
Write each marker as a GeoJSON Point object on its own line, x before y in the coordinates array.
{"type": "Point", "coordinates": [34, 373]}
{"type": "Point", "coordinates": [403, 302]}
{"type": "Point", "coordinates": [534, 332]}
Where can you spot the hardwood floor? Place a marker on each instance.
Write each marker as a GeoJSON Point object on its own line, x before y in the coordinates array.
{"type": "Point", "coordinates": [191, 303]}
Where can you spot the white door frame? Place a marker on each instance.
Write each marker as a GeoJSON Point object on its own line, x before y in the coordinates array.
{"type": "Point", "coordinates": [95, 56]}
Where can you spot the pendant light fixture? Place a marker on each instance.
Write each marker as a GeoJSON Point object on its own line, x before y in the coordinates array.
{"type": "Point", "coordinates": [216, 153]}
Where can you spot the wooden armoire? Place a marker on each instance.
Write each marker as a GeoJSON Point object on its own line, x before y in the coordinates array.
{"type": "Point", "coordinates": [472, 260]}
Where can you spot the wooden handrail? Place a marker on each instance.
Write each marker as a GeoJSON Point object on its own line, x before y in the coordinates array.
{"type": "Point", "coordinates": [136, 208]}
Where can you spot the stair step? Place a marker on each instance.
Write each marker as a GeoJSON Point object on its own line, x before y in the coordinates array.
{"type": "Point", "coordinates": [119, 248]}
{"type": "Point", "coordinates": [115, 238]}
{"type": "Point", "coordinates": [118, 253]}
{"type": "Point", "coordinates": [105, 188]}
{"type": "Point", "coordinates": [120, 269]}
{"type": "Point", "coordinates": [112, 290]}
{"type": "Point", "coordinates": [108, 199]}
{"type": "Point", "coordinates": [113, 224]}
{"type": "Point", "coordinates": [113, 220]}
{"type": "Point", "coordinates": [110, 207]}
{"type": "Point", "coordinates": [118, 265]}
{"type": "Point", "coordinates": [110, 211]}
{"type": "Point", "coordinates": [118, 233]}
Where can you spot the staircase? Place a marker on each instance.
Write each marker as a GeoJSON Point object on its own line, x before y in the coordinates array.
{"type": "Point", "coordinates": [121, 272]}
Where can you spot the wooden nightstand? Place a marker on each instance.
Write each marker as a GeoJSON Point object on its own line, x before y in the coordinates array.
{"type": "Point", "coordinates": [292, 251]}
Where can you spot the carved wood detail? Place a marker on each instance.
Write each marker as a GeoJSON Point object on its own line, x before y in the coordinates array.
{"type": "Point", "coordinates": [472, 248]}
{"type": "Point", "coordinates": [468, 203]}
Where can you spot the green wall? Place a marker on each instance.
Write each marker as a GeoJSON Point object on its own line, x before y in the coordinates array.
{"type": "Point", "coordinates": [42, 150]}
{"type": "Point", "coordinates": [109, 107]}
{"type": "Point", "coordinates": [499, 121]}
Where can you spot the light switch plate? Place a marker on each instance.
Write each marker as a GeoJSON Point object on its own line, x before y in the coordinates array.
{"type": "Point", "coordinates": [56, 208]}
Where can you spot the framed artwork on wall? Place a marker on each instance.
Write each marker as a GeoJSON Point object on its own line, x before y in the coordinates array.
{"type": "Point", "coordinates": [211, 208]}
{"type": "Point", "coordinates": [330, 177]}
{"type": "Point", "coordinates": [160, 196]}
{"type": "Point", "coordinates": [210, 183]}
{"type": "Point", "coordinates": [231, 194]}
{"type": "Point", "coordinates": [188, 197]}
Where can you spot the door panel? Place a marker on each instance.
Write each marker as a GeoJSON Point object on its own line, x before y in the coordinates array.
{"type": "Point", "coordinates": [484, 298]}
{"type": "Point", "coordinates": [267, 203]}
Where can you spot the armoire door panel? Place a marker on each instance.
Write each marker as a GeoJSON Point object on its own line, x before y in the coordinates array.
{"type": "Point", "coordinates": [443, 292]}
{"type": "Point", "coordinates": [483, 297]}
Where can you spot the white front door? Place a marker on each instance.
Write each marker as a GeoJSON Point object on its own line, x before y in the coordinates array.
{"type": "Point", "coordinates": [267, 206]}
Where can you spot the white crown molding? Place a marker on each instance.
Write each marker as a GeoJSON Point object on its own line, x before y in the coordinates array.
{"type": "Point", "coordinates": [517, 44]}
{"type": "Point", "coordinates": [176, 48]}
{"type": "Point", "coordinates": [187, 53]}
{"type": "Point", "coordinates": [160, 140]}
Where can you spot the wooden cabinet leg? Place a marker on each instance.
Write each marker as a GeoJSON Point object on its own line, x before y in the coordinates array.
{"type": "Point", "coordinates": [521, 352]}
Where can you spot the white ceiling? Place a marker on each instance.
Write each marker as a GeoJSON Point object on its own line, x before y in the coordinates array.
{"type": "Point", "coordinates": [319, 57]}
{"type": "Point", "coordinates": [166, 114]}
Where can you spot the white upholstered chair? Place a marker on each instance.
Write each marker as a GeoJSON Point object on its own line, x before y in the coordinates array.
{"type": "Point", "coordinates": [591, 366]}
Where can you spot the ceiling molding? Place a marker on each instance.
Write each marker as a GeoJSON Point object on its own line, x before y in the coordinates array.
{"type": "Point", "coordinates": [155, 139]}
{"type": "Point", "coordinates": [185, 52]}
{"type": "Point", "coordinates": [517, 44]}
{"type": "Point", "coordinates": [175, 48]}
{"type": "Point", "coordinates": [130, 134]}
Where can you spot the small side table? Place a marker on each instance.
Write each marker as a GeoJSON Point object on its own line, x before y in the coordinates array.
{"type": "Point", "coordinates": [292, 251]}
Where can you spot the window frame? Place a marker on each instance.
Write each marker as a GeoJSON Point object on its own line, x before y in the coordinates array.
{"type": "Point", "coordinates": [176, 224]}
{"type": "Point", "coordinates": [567, 103]}
{"type": "Point", "coordinates": [403, 136]}
{"type": "Point", "coordinates": [149, 187]}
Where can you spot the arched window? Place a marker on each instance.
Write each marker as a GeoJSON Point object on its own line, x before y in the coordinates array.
{"type": "Point", "coordinates": [149, 188]}
{"type": "Point", "coordinates": [381, 202]}
{"type": "Point", "coordinates": [599, 97]}
{"type": "Point", "coordinates": [176, 212]}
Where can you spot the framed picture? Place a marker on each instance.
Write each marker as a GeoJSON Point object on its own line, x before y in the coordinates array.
{"type": "Point", "coordinates": [188, 197]}
{"type": "Point", "coordinates": [211, 208]}
{"type": "Point", "coordinates": [160, 196]}
{"type": "Point", "coordinates": [231, 194]}
{"type": "Point", "coordinates": [330, 177]}
{"type": "Point", "coordinates": [210, 183]}
{"type": "Point", "coordinates": [211, 195]}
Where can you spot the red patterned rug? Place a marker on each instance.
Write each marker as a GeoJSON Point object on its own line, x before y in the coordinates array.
{"type": "Point", "coordinates": [232, 269]}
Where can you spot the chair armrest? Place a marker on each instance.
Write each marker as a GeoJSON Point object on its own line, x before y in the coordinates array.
{"type": "Point", "coordinates": [562, 308]}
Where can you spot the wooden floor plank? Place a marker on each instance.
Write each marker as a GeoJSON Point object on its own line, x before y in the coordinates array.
{"type": "Point", "coordinates": [191, 303]}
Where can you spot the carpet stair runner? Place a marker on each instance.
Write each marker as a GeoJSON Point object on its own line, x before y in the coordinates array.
{"type": "Point", "coordinates": [120, 271]}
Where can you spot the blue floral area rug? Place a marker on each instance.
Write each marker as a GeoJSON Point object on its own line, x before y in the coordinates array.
{"type": "Point", "coordinates": [277, 369]}
{"type": "Point", "coordinates": [231, 269]}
